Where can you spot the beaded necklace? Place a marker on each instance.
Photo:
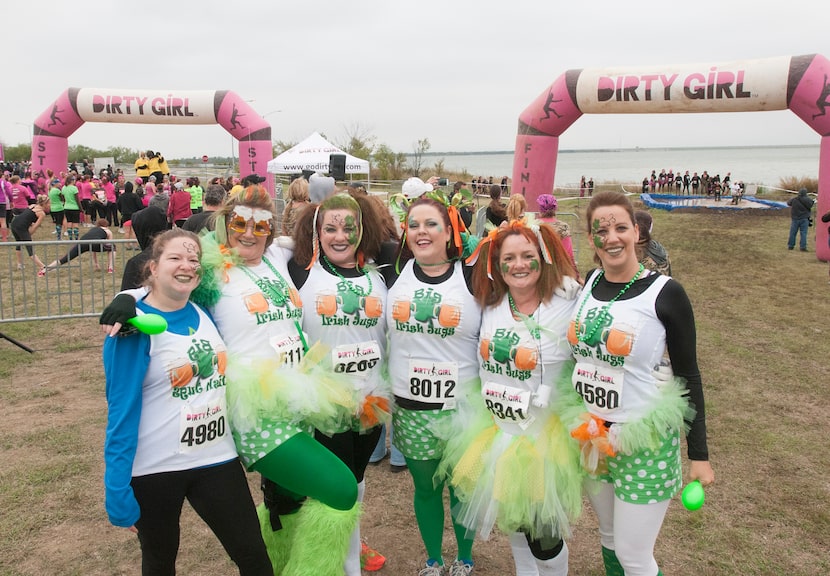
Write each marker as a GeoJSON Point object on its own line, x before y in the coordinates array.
{"type": "Point", "coordinates": [278, 294]}
{"type": "Point", "coordinates": [356, 290]}
{"type": "Point", "coordinates": [597, 322]}
{"type": "Point", "coordinates": [529, 320]}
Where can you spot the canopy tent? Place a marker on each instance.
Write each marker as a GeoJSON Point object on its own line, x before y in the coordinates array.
{"type": "Point", "coordinates": [313, 154]}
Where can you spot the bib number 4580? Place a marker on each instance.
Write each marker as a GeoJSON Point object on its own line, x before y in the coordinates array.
{"type": "Point", "coordinates": [598, 396]}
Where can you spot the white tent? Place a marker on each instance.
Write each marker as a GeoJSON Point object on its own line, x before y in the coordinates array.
{"type": "Point", "coordinates": [313, 154]}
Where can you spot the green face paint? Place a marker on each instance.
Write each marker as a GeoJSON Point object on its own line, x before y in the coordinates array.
{"type": "Point", "coordinates": [534, 265]}
{"type": "Point", "coordinates": [352, 227]}
{"type": "Point", "coordinates": [504, 268]}
{"type": "Point", "coordinates": [598, 242]}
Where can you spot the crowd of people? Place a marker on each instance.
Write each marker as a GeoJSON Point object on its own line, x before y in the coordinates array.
{"type": "Point", "coordinates": [78, 198]}
{"type": "Point", "coordinates": [694, 184]}
{"type": "Point", "coordinates": [508, 379]}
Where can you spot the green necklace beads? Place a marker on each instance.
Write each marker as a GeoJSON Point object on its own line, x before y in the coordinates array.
{"type": "Point", "coordinates": [356, 290]}
{"type": "Point", "coordinates": [529, 320]}
{"type": "Point", "coordinates": [597, 322]}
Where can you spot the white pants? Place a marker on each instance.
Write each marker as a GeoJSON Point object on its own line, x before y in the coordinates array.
{"type": "Point", "coordinates": [629, 529]}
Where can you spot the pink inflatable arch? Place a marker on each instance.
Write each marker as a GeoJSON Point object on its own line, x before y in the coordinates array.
{"type": "Point", "coordinates": [800, 83]}
{"type": "Point", "coordinates": [50, 148]}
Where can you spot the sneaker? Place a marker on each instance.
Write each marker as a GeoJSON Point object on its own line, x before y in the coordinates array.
{"type": "Point", "coordinates": [20, 266]}
{"type": "Point", "coordinates": [371, 560]}
{"type": "Point", "coordinates": [461, 568]}
{"type": "Point", "coordinates": [42, 272]}
{"type": "Point", "coordinates": [120, 230]}
{"type": "Point", "coordinates": [433, 569]}
{"type": "Point", "coordinates": [109, 270]}
{"type": "Point", "coordinates": [397, 468]}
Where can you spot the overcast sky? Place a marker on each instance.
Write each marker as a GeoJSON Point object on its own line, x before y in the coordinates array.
{"type": "Point", "coordinates": [456, 72]}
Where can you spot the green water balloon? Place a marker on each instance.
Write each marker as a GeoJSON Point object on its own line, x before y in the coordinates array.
{"type": "Point", "coordinates": [693, 496]}
{"type": "Point", "coordinates": [149, 323]}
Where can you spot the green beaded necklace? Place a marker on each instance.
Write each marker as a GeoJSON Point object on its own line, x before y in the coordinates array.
{"type": "Point", "coordinates": [597, 322]}
{"type": "Point", "coordinates": [529, 321]}
{"type": "Point", "coordinates": [356, 290]}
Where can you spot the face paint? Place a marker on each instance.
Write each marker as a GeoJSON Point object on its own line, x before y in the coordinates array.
{"type": "Point", "coordinates": [598, 241]}
{"type": "Point", "coordinates": [534, 265]}
{"type": "Point", "coordinates": [190, 247]}
{"type": "Point", "coordinates": [352, 230]}
{"type": "Point", "coordinates": [504, 268]}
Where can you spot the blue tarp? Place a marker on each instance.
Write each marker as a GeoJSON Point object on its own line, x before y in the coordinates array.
{"type": "Point", "coordinates": [673, 201]}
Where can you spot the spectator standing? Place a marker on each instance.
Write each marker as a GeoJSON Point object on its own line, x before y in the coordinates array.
{"type": "Point", "coordinates": [56, 207]}
{"type": "Point", "coordinates": [129, 203]}
{"type": "Point", "coordinates": [213, 199]}
{"type": "Point", "coordinates": [547, 214]}
{"type": "Point", "coordinates": [590, 186]}
{"type": "Point", "coordinates": [800, 209]}
{"type": "Point", "coordinates": [178, 210]}
{"type": "Point", "coordinates": [196, 193]}
{"type": "Point", "coordinates": [826, 218]}
{"type": "Point", "coordinates": [142, 167]}
{"type": "Point", "coordinates": [695, 183]}
{"type": "Point", "coordinates": [650, 252]}
{"type": "Point", "coordinates": [297, 202]}
{"type": "Point", "coordinates": [496, 212]}
{"type": "Point", "coordinates": [686, 181]}
{"type": "Point", "coordinates": [153, 165]}
{"type": "Point", "coordinates": [71, 209]}
{"type": "Point", "coordinates": [5, 206]}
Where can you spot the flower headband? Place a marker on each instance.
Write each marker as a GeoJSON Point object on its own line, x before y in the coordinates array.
{"type": "Point", "coordinates": [513, 225]}
{"type": "Point", "coordinates": [400, 204]}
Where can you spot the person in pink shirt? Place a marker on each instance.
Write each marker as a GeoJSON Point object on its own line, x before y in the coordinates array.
{"type": "Point", "coordinates": [5, 206]}
{"type": "Point", "coordinates": [150, 190]}
{"type": "Point", "coordinates": [109, 194]}
{"type": "Point", "coordinates": [178, 210]}
{"type": "Point", "coordinates": [19, 195]}
{"type": "Point", "coordinates": [85, 197]}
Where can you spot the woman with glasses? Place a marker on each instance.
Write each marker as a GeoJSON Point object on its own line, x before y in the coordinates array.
{"type": "Point", "coordinates": [276, 395]}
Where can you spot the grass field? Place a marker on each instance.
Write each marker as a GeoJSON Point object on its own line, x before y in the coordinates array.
{"type": "Point", "coordinates": [762, 318]}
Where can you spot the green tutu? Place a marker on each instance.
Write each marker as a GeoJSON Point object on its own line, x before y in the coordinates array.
{"type": "Point", "coordinates": [531, 484]}
{"type": "Point", "coordinates": [309, 393]}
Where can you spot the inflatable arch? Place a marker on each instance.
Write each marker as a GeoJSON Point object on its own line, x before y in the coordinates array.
{"type": "Point", "coordinates": [800, 83]}
{"type": "Point", "coordinates": [50, 148]}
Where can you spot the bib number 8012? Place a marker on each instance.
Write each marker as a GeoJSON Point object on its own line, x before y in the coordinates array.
{"type": "Point", "coordinates": [426, 388]}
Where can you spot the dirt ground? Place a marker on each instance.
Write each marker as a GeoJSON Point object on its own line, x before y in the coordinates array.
{"type": "Point", "coordinates": [51, 475]}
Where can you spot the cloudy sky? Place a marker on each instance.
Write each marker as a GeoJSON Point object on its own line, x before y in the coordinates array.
{"type": "Point", "coordinates": [456, 72]}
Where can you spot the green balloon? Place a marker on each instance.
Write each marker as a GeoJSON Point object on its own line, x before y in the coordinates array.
{"type": "Point", "coordinates": [693, 496]}
{"type": "Point", "coordinates": [149, 323]}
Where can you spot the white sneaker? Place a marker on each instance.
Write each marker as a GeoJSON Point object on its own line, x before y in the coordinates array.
{"type": "Point", "coordinates": [120, 230]}
{"type": "Point", "coordinates": [432, 570]}
{"type": "Point", "coordinates": [459, 568]}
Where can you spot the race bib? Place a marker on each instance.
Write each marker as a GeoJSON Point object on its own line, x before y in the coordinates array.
{"type": "Point", "coordinates": [601, 387]}
{"type": "Point", "coordinates": [433, 381]}
{"type": "Point", "coordinates": [508, 403]}
{"type": "Point", "coordinates": [202, 425]}
{"type": "Point", "coordinates": [356, 358]}
{"type": "Point", "coordinates": [289, 348]}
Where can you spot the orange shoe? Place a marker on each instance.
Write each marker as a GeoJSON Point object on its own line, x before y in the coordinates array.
{"type": "Point", "coordinates": [371, 560]}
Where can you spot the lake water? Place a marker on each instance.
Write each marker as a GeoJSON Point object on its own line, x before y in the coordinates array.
{"type": "Point", "coordinates": [758, 165]}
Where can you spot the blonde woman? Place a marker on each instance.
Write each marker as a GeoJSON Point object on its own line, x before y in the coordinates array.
{"type": "Point", "coordinates": [297, 202]}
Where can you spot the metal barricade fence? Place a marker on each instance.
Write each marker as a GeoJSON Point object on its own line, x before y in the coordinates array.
{"type": "Point", "coordinates": [75, 289]}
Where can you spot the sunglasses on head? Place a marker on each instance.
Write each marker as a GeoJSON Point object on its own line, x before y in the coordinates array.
{"type": "Point", "coordinates": [241, 215]}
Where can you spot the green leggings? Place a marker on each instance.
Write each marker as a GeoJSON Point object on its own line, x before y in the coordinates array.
{"type": "Point", "coordinates": [429, 511]}
{"type": "Point", "coordinates": [305, 467]}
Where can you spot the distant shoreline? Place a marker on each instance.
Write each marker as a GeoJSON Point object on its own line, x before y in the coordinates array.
{"type": "Point", "coordinates": [635, 149]}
